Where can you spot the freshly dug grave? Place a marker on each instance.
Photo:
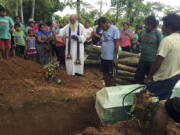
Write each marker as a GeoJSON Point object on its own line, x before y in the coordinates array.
{"type": "Point", "coordinates": [29, 105]}
{"type": "Point", "coordinates": [139, 124]}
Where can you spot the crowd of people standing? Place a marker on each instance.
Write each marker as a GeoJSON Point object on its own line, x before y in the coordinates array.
{"type": "Point", "coordinates": [159, 64]}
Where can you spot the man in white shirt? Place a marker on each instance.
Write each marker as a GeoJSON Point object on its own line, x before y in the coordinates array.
{"type": "Point", "coordinates": [165, 71]}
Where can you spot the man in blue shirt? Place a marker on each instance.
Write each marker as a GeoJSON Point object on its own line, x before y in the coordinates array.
{"type": "Point", "coordinates": [109, 50]}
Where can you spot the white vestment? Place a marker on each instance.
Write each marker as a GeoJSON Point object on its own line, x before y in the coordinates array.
{"type": "Point", "coordinates": [71, 66]}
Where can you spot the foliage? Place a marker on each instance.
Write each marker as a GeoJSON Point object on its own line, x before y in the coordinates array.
{"type": "Point", "coordinates": [43, 11]}
{"type": "Point", "coordinates": [133, 11]}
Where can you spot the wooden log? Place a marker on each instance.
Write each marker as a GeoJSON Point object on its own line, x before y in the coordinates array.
{"type": "Point", "coordinates": [122, 82]}
{"type": "Point", "coordinates": [130, 61]}
{"type": "Point", "coordinates": [97, 50]}
{"type": "Point", "coordinates": [128, 78]}
{"type": "Point", "coordinates": [90, 57]}
{"type": "Point", "coordinates": [92, 62]}
{"type": "Point", "coordinates": [125, 54]}
{"type": "Point", "coordinates": [125, 73]}
{"type": "Point", "coordinates": [93, 49]}
{"type": "Point", "coordinates": [127, 68]}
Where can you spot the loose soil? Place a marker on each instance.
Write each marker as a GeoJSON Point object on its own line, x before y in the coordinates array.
{"type": "Point", "coordinates": [29, 105]}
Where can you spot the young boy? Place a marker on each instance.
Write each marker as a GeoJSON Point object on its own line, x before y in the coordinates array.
{"type": "Point", "coordinates": [19, 40]}
{"type": "Point", "coordinates": [6, 24]}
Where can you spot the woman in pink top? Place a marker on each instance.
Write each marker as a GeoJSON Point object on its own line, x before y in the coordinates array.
{"type": "Point", "coordinates": [126, 37]}
{"type": "Point", "coordinates": [60, 49]}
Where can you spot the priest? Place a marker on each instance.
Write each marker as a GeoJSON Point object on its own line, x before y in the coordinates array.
{"type": "Point", "coordinates": [75, 35]}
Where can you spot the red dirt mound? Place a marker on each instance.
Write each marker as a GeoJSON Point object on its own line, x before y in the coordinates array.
{"type": "Point", "coordinates": [23, 81]}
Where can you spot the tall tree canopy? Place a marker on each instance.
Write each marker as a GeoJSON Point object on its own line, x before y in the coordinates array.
{"type": "Point", "coordinates": [44, 9]}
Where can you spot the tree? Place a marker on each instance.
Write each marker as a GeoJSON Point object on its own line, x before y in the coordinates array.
{"type": "Point", "coordinates": [132, 11]}
{"type": "Point", "coordinates": [33, 8]}
{"type": "Point", "coordinates": [21, 11]}
{"type": "Point", "coordinates": [101, 3]}
{"type": "Point", "coordinates": [78, 7]}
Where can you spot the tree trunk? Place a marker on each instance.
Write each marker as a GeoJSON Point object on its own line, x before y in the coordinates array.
{"type": "Point", "coordinates": [21, 10]}
{"type": "Point", "coordinates": [117, 10]}
{"type": "Point", "coordinates": [17, 9]}
{"type": "Point", "coordinates": [101, 4]}
{"type": "Point", "coordinates": [78, 8]}
{"type": "Point", "coordinates": [33, 8]}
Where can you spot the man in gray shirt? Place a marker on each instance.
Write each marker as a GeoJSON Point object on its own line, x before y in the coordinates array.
{"type": "Point", "coordinates": [109, 50]}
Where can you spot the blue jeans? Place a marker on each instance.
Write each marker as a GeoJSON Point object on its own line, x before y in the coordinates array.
{"type": "Point", "coordinates": [163, 89]}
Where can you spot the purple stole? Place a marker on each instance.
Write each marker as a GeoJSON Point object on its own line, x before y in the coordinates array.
{"type": "Point", "coordinates": [77, 62]}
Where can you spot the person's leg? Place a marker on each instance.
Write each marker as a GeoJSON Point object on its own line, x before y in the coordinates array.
{"type": "Point", "coordinates": [34, 57]}
{"type": "Point", "coordinates": [23, 51]}
{"type": "Point", "coordinates": [107, 80]}
{"type": "Point", "coordinates": [107, 68]}
{"type": "Point", "coordinates": [41, 55]}
{"type": "Point", "coordinates": [13, 51]}
{"type": "Point", "coordinates": [62, 55]}
{"type": "Point", "coordinates": [58, 54]}
{"type": "Point", "coordinates": [7, 47]}
{"type": "Point", "coordinates": [46, 56]}
{"type": "Point", "coordinates": [2, 47]}
{"type": "Point", "coordinates": [160, 120]}
{"type": "Point", "coordinates": [141, 72]}
{"type": "Point", "coordinates": [147, 67]}
{"type": "Point", "coordinates": [20, 51]}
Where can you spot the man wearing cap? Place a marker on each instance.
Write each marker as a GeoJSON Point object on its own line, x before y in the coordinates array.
{"type": "Point", "coordinates": [74, 54]}
{"type": "Point", "coordinates": [6, 25]}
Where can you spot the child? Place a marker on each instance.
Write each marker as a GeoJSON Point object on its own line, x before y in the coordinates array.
{"type": "Point", "coordinates": [19, 40]}
{"type": "Point", "coordinates": [31, 45]}
{"type": "Point", "coordinates": [6, 25]}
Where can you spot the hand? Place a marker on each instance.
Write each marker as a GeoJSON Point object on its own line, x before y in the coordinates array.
{"type": "Point", "coordinates": [115, 61]}
{"type": "Point", "coordinates": [93, 33]}
{"type": "Point", "coordinates": [74, 37]}
{"type": "Point", "coordinates": [126, 33]}
{"type": "Point", "coordinates": [148, 80]}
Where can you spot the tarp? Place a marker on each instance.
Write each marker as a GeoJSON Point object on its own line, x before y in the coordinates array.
{"type": "Point", "coordinates": [110, 97]}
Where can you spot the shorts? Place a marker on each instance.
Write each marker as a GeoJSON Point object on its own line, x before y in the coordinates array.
{"type": "Point", "coordinates": [108, 67]}
{"type": "Point", "coordinates": [163, 88]}
{"type": "Point", "coordinates": [173, 108]}
{"type": "Point", "coordinates": [20, 49]}
{"type": "Point", "coordinates": [5, 44]}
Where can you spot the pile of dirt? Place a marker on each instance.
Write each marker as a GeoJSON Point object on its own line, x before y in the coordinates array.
{"type": "Point", "coordinates": [23, 81]}
{"type": "Point", "coordinates": [120, 128]}
{"type": "Point", "coordinates": [139, 124]}
{"type": "Point", "coordinates": [29, 105]}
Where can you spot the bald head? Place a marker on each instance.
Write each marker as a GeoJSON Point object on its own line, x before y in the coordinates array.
{"type": "Point", "coordinates": [73, 18]}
